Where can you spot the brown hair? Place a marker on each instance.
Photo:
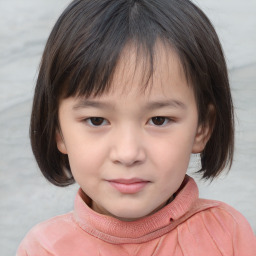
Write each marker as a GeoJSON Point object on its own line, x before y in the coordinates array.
{"type": "Point", "coordinates": [83, 50]}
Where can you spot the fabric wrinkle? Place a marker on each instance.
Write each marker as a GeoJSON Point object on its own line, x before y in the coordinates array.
{"type": "Point", "coordinates": [186, 226]}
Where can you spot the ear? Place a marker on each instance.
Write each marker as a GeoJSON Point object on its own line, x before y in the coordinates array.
{"type": "Point", "coordinates": [60, 142]}
{"type": "Point", "coordinates": [204, 131]}
{"type": "Point", "coordinates": [202, 136]}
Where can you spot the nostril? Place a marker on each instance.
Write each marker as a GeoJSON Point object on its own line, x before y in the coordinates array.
{"type": "Point", "coordinates": [128, 155]}
{"type": "Point", "coordinates": [127, 163]}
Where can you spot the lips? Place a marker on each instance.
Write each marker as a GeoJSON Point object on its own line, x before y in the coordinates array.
{"type": "Point", "coordinates": [128, 186]}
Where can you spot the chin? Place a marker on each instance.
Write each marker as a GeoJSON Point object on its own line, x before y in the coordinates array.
{"type": "Point", "coordinates": [129, 215]}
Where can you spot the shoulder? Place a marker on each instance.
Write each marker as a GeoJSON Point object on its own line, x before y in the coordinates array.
{"type": "Point", "coordinates": [224, 226]}
{"type": "Point", "coordinates": [225, 214]}
{"type": "Point", "coordinates": [53, 226]}
{"type": "Point", "coordinates": [41, 239]}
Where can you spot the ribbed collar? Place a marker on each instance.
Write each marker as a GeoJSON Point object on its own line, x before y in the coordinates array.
{"type": "Point", "coordinates": [115, 231]}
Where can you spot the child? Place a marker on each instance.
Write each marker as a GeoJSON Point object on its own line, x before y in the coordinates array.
{"type": "Point", "coordinates": [127, 91]}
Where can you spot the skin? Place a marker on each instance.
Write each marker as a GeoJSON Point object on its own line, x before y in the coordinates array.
{"type": "Point", "coordinates": [127, 141]}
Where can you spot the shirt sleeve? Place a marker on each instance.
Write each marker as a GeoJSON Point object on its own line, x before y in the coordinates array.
{"type": "Point", "coordinates": [243, 238]}
{"type": "Point", "coordinates": [32, 245]}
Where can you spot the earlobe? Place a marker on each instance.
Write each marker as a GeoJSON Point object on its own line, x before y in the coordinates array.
{"type": "Point", "coordinates": [60, 143]}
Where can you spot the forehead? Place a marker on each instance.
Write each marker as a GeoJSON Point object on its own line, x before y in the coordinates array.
{"type": "Point", "coordinates": [142, 73]}
{"type": "Point", "coordinates": [136, 84]}
{"type": "Point", "coordinates": [137, 87]}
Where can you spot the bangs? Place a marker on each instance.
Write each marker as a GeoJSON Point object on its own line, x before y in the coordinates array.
{"type": "Point", "coordinates": [90, 53]}
{"type": "Point", "coordinates": [84, 50]}
{"type": "Point", "coordinates": [95, 78]}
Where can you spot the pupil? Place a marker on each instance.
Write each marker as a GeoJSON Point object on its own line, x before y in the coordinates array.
{"type": "Point", "coordinates": [97, 120]}
{"type": "Point", "coordinates": [158, 120]}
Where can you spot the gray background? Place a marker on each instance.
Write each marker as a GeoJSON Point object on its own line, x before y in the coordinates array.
{"type": "Point", "coordinates": [26, 198]}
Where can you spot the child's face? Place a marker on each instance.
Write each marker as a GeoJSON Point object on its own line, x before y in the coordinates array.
{"type": "Point", "coordinates": [129, 150]}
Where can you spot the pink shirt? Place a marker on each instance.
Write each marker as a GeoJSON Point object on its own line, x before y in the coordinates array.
{"type": "Point", "coordinates": [187, 226]}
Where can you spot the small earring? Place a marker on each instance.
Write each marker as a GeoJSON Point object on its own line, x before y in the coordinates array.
{"type": "Point", "coordinates": [194, 163]}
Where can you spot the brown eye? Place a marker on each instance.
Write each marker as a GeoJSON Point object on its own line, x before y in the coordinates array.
{"type": "Point", "coordinates": [159, 120]}
{"type": "Point", "coordinates": [96, 121]}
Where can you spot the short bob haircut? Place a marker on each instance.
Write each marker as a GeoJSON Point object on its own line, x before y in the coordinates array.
{"type": "Point", "coordinates": [83, 50]}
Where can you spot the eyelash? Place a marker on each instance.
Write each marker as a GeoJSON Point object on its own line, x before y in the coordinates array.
{"type": "Point", "coordinates": [102, 121]}
{"type": "Point", "coordinates": [90, 121]}
{"type": "Point", "coordinates": [163, 119]}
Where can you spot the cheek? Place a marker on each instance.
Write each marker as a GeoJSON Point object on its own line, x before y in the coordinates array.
{"type": "Point", "coordinates": [174, 150]}
{"type": "Point", "coordinates": [83, 167]}
{"type": "Point", "coordinates": [171, 163]}
{"type": "Point", "coordinates": [82, 156]}
{"type": "Point", "coordinates": [85, 157]}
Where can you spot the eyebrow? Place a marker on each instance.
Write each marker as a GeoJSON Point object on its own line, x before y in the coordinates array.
{"type": "Point", "coordinates": [149, 106]}
{"type": "Point", "coordinates": [165, 104]}
{"type": "Point", "coordinates": [92, 104]}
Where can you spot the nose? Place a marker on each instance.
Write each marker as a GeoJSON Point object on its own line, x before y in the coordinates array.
{"type": "Point", "coordinates": [128, 148]}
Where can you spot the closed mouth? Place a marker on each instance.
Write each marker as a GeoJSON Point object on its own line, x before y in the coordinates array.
{"type": "Point", "coordinates": [128, 186]}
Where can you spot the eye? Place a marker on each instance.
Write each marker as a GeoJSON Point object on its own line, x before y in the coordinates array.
{"type": "Point", "coordinates": [96, 121]}
{"type": "Point", "coordinates": [159, 121]}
